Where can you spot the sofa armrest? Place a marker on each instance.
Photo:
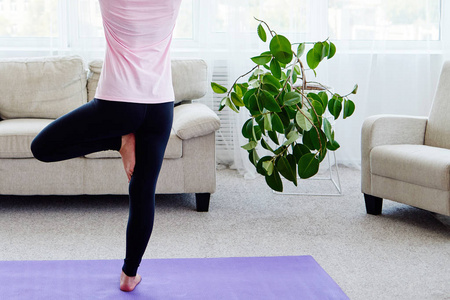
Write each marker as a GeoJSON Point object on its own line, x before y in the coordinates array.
{"type": "Point", "coordinates": [194, 120]}
{"type": "Point", "coordinates": [387, 130]}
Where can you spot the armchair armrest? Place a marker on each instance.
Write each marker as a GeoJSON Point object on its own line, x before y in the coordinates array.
{"type": "Point", "coordinates": [390, 129]}
{"type": "Point", "coordinates": [194, 120]}
{"type": "Point", "coordinates": [387, 130]}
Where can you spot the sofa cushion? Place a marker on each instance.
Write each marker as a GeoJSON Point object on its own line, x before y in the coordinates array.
{"type": "Point", "coordinates": [417, 164]}
{"type": "Point", "coordinates": [16, 136]}
{"type": "Point", "coordinates": [173, 150]}
{"type": "Point", "coordinates": [194, 120]}
{"type": "Point", "coordinates": [189, 78]}
{"type": "Point", "coordinates": [41, 87]}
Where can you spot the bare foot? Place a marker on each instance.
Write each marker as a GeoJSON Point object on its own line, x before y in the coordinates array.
{"type": "Point", "coordinates": [127, 283]}
{"type": "Point", "coordinates": [127, 151]}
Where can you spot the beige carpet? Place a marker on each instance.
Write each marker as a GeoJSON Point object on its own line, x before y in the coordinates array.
{"type": "Point", "coordinates": [402, 254]}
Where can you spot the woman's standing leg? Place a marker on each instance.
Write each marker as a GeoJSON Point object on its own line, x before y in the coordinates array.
{"type": "Point", "coordinates": [151, 142]}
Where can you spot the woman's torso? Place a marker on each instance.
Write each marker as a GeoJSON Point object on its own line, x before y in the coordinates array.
{"type": "Point", "coordinates": [137, 61]}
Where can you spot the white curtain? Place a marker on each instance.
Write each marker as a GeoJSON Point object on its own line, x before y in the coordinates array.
{"type": "Point", "coordinates": [394, 50]}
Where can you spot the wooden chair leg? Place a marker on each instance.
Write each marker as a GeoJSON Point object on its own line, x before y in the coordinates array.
{"type": "Point", "coordinates": [374, 204]}
{"type": "Point", "coordinates": [202, 201]}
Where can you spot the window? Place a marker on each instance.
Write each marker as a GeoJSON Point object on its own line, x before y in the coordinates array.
{"type": "Point", "coordinates": [22, 18]}
{"type": "Point", "coordinates": [399, 20]}
{"type": "Point", "coordinates": [273, 12]}
{"type": "Point", "coordinates": [69, 21]}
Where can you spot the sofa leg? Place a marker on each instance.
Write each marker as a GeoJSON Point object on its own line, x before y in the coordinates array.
{"type": "Point", "coordinates": [373, 204]}
{"type": "Point", "coordinates": [202, 201]}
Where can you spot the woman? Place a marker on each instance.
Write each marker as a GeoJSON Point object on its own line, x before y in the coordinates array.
{"type": "Point", "coordinates": [132, 112]}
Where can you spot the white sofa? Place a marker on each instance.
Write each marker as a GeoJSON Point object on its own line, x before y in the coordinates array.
{"type": "Point", "coordinates": [35, 91]}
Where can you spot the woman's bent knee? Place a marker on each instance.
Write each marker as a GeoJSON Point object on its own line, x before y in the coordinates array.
{"type": "Point", "coordinates": [39, 151]}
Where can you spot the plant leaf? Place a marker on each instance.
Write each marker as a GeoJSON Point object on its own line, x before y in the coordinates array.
{"type": "Point", "coordinates": [262, 33]}
{"type": "Point", "coordinates": [294, 75]}
{"type": "Point", "coordinates": [222, 103]}
{"type": "Point", "coordinates": [247, 129]}
{"type": "Point", "coordinates": [292, 98]}
{"type": "Point", "coordinates": [258, 72]}
{"type": "Point", "coordinates": [301, 49]}
{"type": "Point", "coordinates": [261, 59]}
{"type": "Point", "coordinates": [270, 88]}
{"type": "Point", "coordinates": [260, 120]}
{"type": "Point", "coordinates": [256, 132]}
{"type": "Point", "coordinates": [270, 79]}
{"type": "Point", "coordinates": [314, 96]}
{"type": "Point", "coordinates": [300, 150]}
{"type": "Point", "coordinates": [247, 97]}
{"type": "Point", "coordinates": [302, 119]}
{"type": "Point", "coordinates": [326, 49]}
{"type": "Point", "coordinates": [251, 145]}
{"type": "Point", "coordinates": [291, 137]}
{"type": "Point", "coordinates": [284, 167]}
{"type": "Point", "coordinates": [253, 104]}
{"type": "Point", "coordinates": [332, 50]}
{"type": "Point", "coordinates": [274, 181]}
{"type": "Point", "coordinates": [268, 101]}
{"type": "Point", "coordinates": [273, 136]}
{"type": "Point", "coordinates": [312, 60]}
{"type": "Point", "coordinates": [267, 122]}
{"type": "Point", "coordinates": [318, 140]}
{"type": "Point", "coordinates": [308, 166]}
{"type": "Point", "coordinates": [306, 140]}
{"type": "Point", "coordinates": [281, 49]}
{"type": "Point", "coordinates": [253, 157]}
{"type": "Point", "coordinates": [265, 145]}
{"type": "Point", "coordinates": [327, 129]}
{"type": "Point", "coordinates": [277, 124]}
{"type": "Point", "coordinates": [293, 164]}
{"type": "Point", "coordinates": [335, 106]}
{"type": "Point", "coordinates": [275, 68]}
{"type": "Point", "coordinates": [355, 89]}
{"type": "Point", "coordinates": [238, 90]}
{"type": "Point", "coordinates": [284, 116]}
{"type": "Point", "coordinates": [218, 89]}
{"type": "Point", "coordinates": [236, 99]}
{"type": "Point", "coordinates": [318, 107]}
{"type": "Point", "coordinates": [324, 98]}
{"type": "Point", "coordinates": [268, 166]}
{"type": "Point", "coordinates": [349, 108]}
{"type": "Point", "coordinates": [333, 145]}
{"type": "Point", "coordinates": [254, 83]}
{"type": "Point", "coordinates": [230, 104]}
{"type": "Point", "coordinates": [259, 167]}
{"type": "Point", "coordinates": [319, 50]}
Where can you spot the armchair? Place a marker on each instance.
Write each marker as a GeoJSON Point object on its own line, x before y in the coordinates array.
{"type": "Point", "coordinates": [407, 159]}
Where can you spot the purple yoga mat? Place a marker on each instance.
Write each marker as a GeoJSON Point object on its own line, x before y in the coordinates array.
{"type": "Point", "coordinates": [247, 278]}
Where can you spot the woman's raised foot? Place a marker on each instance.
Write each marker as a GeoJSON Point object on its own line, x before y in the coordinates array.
{"type": "Point", "coordinates": [128, 153]}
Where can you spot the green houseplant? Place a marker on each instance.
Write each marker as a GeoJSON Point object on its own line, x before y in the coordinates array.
{"type": "Point", "coordinates": [287, 118]}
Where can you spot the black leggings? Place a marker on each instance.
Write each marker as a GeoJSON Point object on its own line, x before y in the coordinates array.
{"type": "Point", "coordinates": [99, 125]}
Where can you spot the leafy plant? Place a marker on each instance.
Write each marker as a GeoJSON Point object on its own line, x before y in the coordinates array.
{"type": "Point", "coordinates": [289, 117]}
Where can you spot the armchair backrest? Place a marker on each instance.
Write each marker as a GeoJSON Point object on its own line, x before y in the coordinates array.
{"type": "Point", "coordinates": [437, 133]}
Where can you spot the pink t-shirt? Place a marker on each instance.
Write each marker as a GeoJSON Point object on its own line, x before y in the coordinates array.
{"type": "Point", "coordinates": [137, 65]}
